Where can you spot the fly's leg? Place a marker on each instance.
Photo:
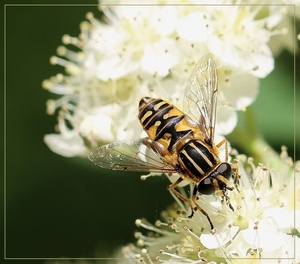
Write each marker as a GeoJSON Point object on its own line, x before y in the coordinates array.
{"type": "Point", "coordinates": [194, 199]}
{"type": "Point", "coordinates": [224, 141]}
{"type": "Point", "coordinates": [180, 196]}
{"type": "Point", "coordinates": [198, 207]}
{"type": "Point", "coordinates": [155, 146]}
{"type": "Point", "coordinates": [223, 192]}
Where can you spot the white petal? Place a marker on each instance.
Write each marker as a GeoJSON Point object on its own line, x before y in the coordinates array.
{"type": "Point", "coordinates": [158, 19]}
{"type": "Point", "coordinates": [226, 120]}
{"type": "Point", "coordinates": [241, 90]}
{"type": "Point", "coordinates": [275, 17]}
{"type": "Point", "coordinates": [287, 222]}
{"type": "Point", "coordinates": [104, 38]}
{"type": "Point", "coordinates": [167, 18]}
{"type": "Point", "coordinates": [267, 236]}
{"type": "Point", "coordinates": [193, 27]}
{"type": "Point", "coordinates": [90, 65]}
{"type": "Point", "coordinates": [97, 128]}
{"type": "Point", "coordinates": [114, 67]}
{"type": "Point", "coordinates": [284, 41]}
{"type": "Point", "coordinates": [285, 253]}
{"type": "Point", "coordinates": [259, 62]}
{"type": "Point", "coordinates": [219, 239]}
{"type": "Point", "coordinates": [160, 57]}
{"type": "Point", "coordinates": [68, 144]}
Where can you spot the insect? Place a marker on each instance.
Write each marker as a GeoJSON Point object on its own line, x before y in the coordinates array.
{"type": "Point", "coordinates": [178, 141]}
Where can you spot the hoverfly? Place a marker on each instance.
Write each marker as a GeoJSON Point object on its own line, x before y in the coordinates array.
{"type": "Point", "coordinates": [178, 141]}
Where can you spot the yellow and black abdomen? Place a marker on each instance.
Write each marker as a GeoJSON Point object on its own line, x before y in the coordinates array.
{"type": "Point", "coordinates": [197, 160]}
{"type": "Point", "coordinates": [163, 122]}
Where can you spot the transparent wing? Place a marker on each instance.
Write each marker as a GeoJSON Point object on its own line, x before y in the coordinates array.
{"type": "Point", "coordinates": [200, 98]}
{"type": "Point", "coordinates": [129, 155]}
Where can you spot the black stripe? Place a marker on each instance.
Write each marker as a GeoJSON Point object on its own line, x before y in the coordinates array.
{"type": "Point", "coordinates": [189, 166]}
{"type": "Point", "coordinates": [157, 115]}
{"type": "Point", "coordinates": [149, 107]}
{"type": "Point", "coordinates": [193, 153]}
{"type": "Point", "coordinates": [166, 125]}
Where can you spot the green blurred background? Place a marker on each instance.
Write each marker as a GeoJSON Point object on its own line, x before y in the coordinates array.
{"type": "Point", "coordinates": [67, 207]}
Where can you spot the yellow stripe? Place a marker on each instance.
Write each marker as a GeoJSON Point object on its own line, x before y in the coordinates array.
{"type": "Point", "coordinates": [193, 162]}
{"type": "Point", "coordinates": [202, 155]}
{"type": "Point", "coordinates": [146, 115]}
{"type": "Point", "coordinates": [158, 105]}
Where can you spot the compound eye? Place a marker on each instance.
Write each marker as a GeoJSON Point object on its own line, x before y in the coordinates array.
{"type": "Point", "coordinates": [225, 170]}
{"type": "Point", "coordinates": [206, 187]}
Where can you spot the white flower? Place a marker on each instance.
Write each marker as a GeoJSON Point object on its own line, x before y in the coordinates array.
{"type": "Point", "coordinates": [262, 229]}
{"type": "Point", "coordinates": [98, 127]}
{"type": "Point", "coordinates": [150, 50]}
{"type": "Point", "coordinates": [68, 143]}
{"type": "Point", "coordinates": [145, 39]}
{"type": "Point", "coordinates": [234, 34]}
{"type": "Point", "coordinates": [286, 40]}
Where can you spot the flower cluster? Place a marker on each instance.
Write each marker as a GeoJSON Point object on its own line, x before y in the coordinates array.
{"type": "Point", "coordinates": [264, 227]}
{"type": "Point", "coordinates": [150, 50]}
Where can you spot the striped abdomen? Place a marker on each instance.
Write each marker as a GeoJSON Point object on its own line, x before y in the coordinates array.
{"type": "Point", "coordinates": [163, 122]}
{"type": "Point", "coordinates": [197, 160]}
